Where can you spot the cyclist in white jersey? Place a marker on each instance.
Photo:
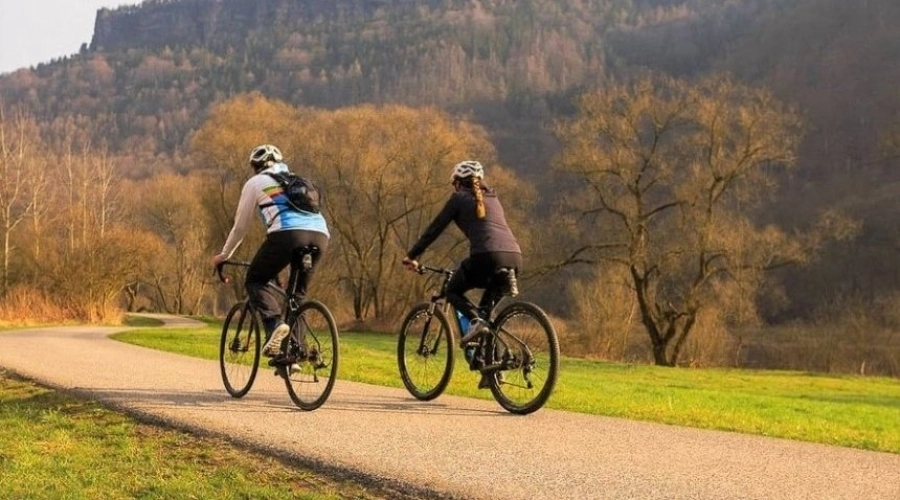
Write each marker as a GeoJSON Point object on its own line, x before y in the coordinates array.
{"type": "Point", "coordinates": [287, 229]}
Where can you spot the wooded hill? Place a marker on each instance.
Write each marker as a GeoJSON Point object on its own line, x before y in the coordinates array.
{"type": "Point", "coordinates": [152, 72]}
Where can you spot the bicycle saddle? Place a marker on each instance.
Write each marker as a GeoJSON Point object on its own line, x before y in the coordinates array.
{"type": "Point", "coordinates": [505, 278]}
{"type": "Point", "coordinates": [304, 256]}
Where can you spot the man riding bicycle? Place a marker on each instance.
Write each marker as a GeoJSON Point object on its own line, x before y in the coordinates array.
{"type": "Point", "coordinates": [287, 229]}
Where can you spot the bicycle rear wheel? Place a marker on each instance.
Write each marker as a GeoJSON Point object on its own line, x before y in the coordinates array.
{"type": "Point", "coordinates": [312, 354]}
{"type": "Point", "coordinates": [525, 358]}
{"type": "Point", "coordinates": [239, 349]}
{"type": "Point", "coordinates": [425, 352]}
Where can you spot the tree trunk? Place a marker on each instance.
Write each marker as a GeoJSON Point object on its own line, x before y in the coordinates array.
{"type": "Point", "coordinates": [659, 354]}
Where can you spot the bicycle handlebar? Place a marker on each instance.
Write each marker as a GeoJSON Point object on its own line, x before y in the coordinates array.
{"type": "Point", "coordinates": [437, 270]}
{"type": "Point", "coordinates": [221, 265]}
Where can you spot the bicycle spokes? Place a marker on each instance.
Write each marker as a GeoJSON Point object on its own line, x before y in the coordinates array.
{"type": "Point", "coordinates": [239, 350]}
{"type": "Point", "coordinates": [526, 358]}
{"type": "Point", "coordinates": [512, 352]}
{"type": "Point", "coordinates": [313, 356]}
{"type": "Point", "coordinates": [430, 339]}
{"type": "Point", "coordinates": [425, 352]}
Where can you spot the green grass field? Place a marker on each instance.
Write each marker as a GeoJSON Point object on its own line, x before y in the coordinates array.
{"type": "Point", "coordinates": [851, 411]}
{"type": "Point", "coordinates": [54, 446]}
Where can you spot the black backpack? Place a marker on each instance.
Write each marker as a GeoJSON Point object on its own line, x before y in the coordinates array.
{"type": "Point", "coordinates": [302, 194]}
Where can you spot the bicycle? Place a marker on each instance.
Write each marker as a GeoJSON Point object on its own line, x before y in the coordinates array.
{"type": "Point", "coordinates": [310, 356]}
{"type": "Point", "coordinates": [518, 357]}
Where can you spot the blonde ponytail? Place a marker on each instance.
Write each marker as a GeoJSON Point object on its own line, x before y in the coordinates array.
{"type": "Point", "coordinates": [480, 210]}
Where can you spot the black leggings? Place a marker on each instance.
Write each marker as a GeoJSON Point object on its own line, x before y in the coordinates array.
{"type": "Point", "coordinates": [476, 271]}
{"type": "Point", "coordinates": [272, 257]}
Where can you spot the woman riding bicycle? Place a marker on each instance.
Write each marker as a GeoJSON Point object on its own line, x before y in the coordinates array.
{"type": "Point", "coordinates": [493, 249]}
{"type": "Point", "coordinates": [287, 230]}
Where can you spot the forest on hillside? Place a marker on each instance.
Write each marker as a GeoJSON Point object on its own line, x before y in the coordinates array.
{"type": "Point", "coordinates": [135, 99]}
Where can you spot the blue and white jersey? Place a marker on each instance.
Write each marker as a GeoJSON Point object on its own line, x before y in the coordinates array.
{"type": "Point", "coordinates": [263, 195]}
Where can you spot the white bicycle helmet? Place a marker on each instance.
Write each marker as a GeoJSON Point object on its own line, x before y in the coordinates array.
{"type": "Point", "coordinates": [263, 154]}
{"type": "Point", "coordinates": [466, 169]}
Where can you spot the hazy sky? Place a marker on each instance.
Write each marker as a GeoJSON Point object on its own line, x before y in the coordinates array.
{"type": "Point", "coordinates": [36, 31]}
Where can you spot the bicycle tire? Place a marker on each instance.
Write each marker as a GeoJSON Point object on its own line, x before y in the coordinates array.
{"type": "Point", "coordinates": [425, 372]}
{"type": "Point", "coordinates": [314, 350]}
{"type": "Point", "coordinates": [239, 349]}
{"type": "Point", "coordinates": [527, 346]}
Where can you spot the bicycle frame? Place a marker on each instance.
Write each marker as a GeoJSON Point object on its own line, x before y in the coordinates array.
{"type": "Point", "coordinates": [439, 300]}
{"type": "Point", "coordinates": [439, 297]}
{"type": "Point", "coordinates": [291, 301]}
{"type": "Point", "coordinates": [290, 292]}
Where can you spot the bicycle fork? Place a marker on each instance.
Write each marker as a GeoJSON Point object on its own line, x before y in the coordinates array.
{"type": "Point", "coordinates": [424, 349]}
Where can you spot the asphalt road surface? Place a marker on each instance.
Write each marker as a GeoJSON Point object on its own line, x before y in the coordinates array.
{"type": "Point", "coordinates": [451, 447]}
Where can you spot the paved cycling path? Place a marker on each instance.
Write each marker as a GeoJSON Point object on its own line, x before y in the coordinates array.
{"type": "Point", "coordinates": [460, 447]}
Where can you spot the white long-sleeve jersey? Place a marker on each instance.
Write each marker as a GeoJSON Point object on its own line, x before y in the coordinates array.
{"type": "Point", "coordinates": [264, 197]}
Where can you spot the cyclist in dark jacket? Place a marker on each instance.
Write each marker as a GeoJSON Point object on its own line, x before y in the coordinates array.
{"type": "Point", "coordinates": [493, 249]}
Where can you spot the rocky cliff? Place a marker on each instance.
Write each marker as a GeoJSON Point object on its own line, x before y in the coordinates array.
{"type": "Point", "coordinates": [221, 23]}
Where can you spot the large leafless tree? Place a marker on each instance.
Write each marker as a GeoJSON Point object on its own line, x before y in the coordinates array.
{"type": "Point", "coordinates": [668, 173]}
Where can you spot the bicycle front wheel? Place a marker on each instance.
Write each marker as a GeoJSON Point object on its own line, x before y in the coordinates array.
{"type": "Point", "coordinates": [525, 358]}
{"type": "Point", "coordinates": [425, 352]}
{"type": "Point", "coordinates": [313, 354]}
{"type": "Point", "coordinates": [239, 349]}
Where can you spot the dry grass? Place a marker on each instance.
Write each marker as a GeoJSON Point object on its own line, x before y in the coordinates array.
{"type": "Point", "coordinates": [824, 348]}
{"type": "Point", "coordinates": [25, 307]}
{"type": "Point", "coordinates": [850, 336]}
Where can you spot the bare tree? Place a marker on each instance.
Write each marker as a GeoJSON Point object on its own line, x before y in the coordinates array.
{"type": "Point", "coordinates": [92, 263]}
{"type": "Point", "coordinates": [668, 172]}
{"type": "Point", "coordinates": [168, 207]}
{"type": "Point", "coordinates": [20, 176]}
{"type": "Point", "coordinates": [385, 170]}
